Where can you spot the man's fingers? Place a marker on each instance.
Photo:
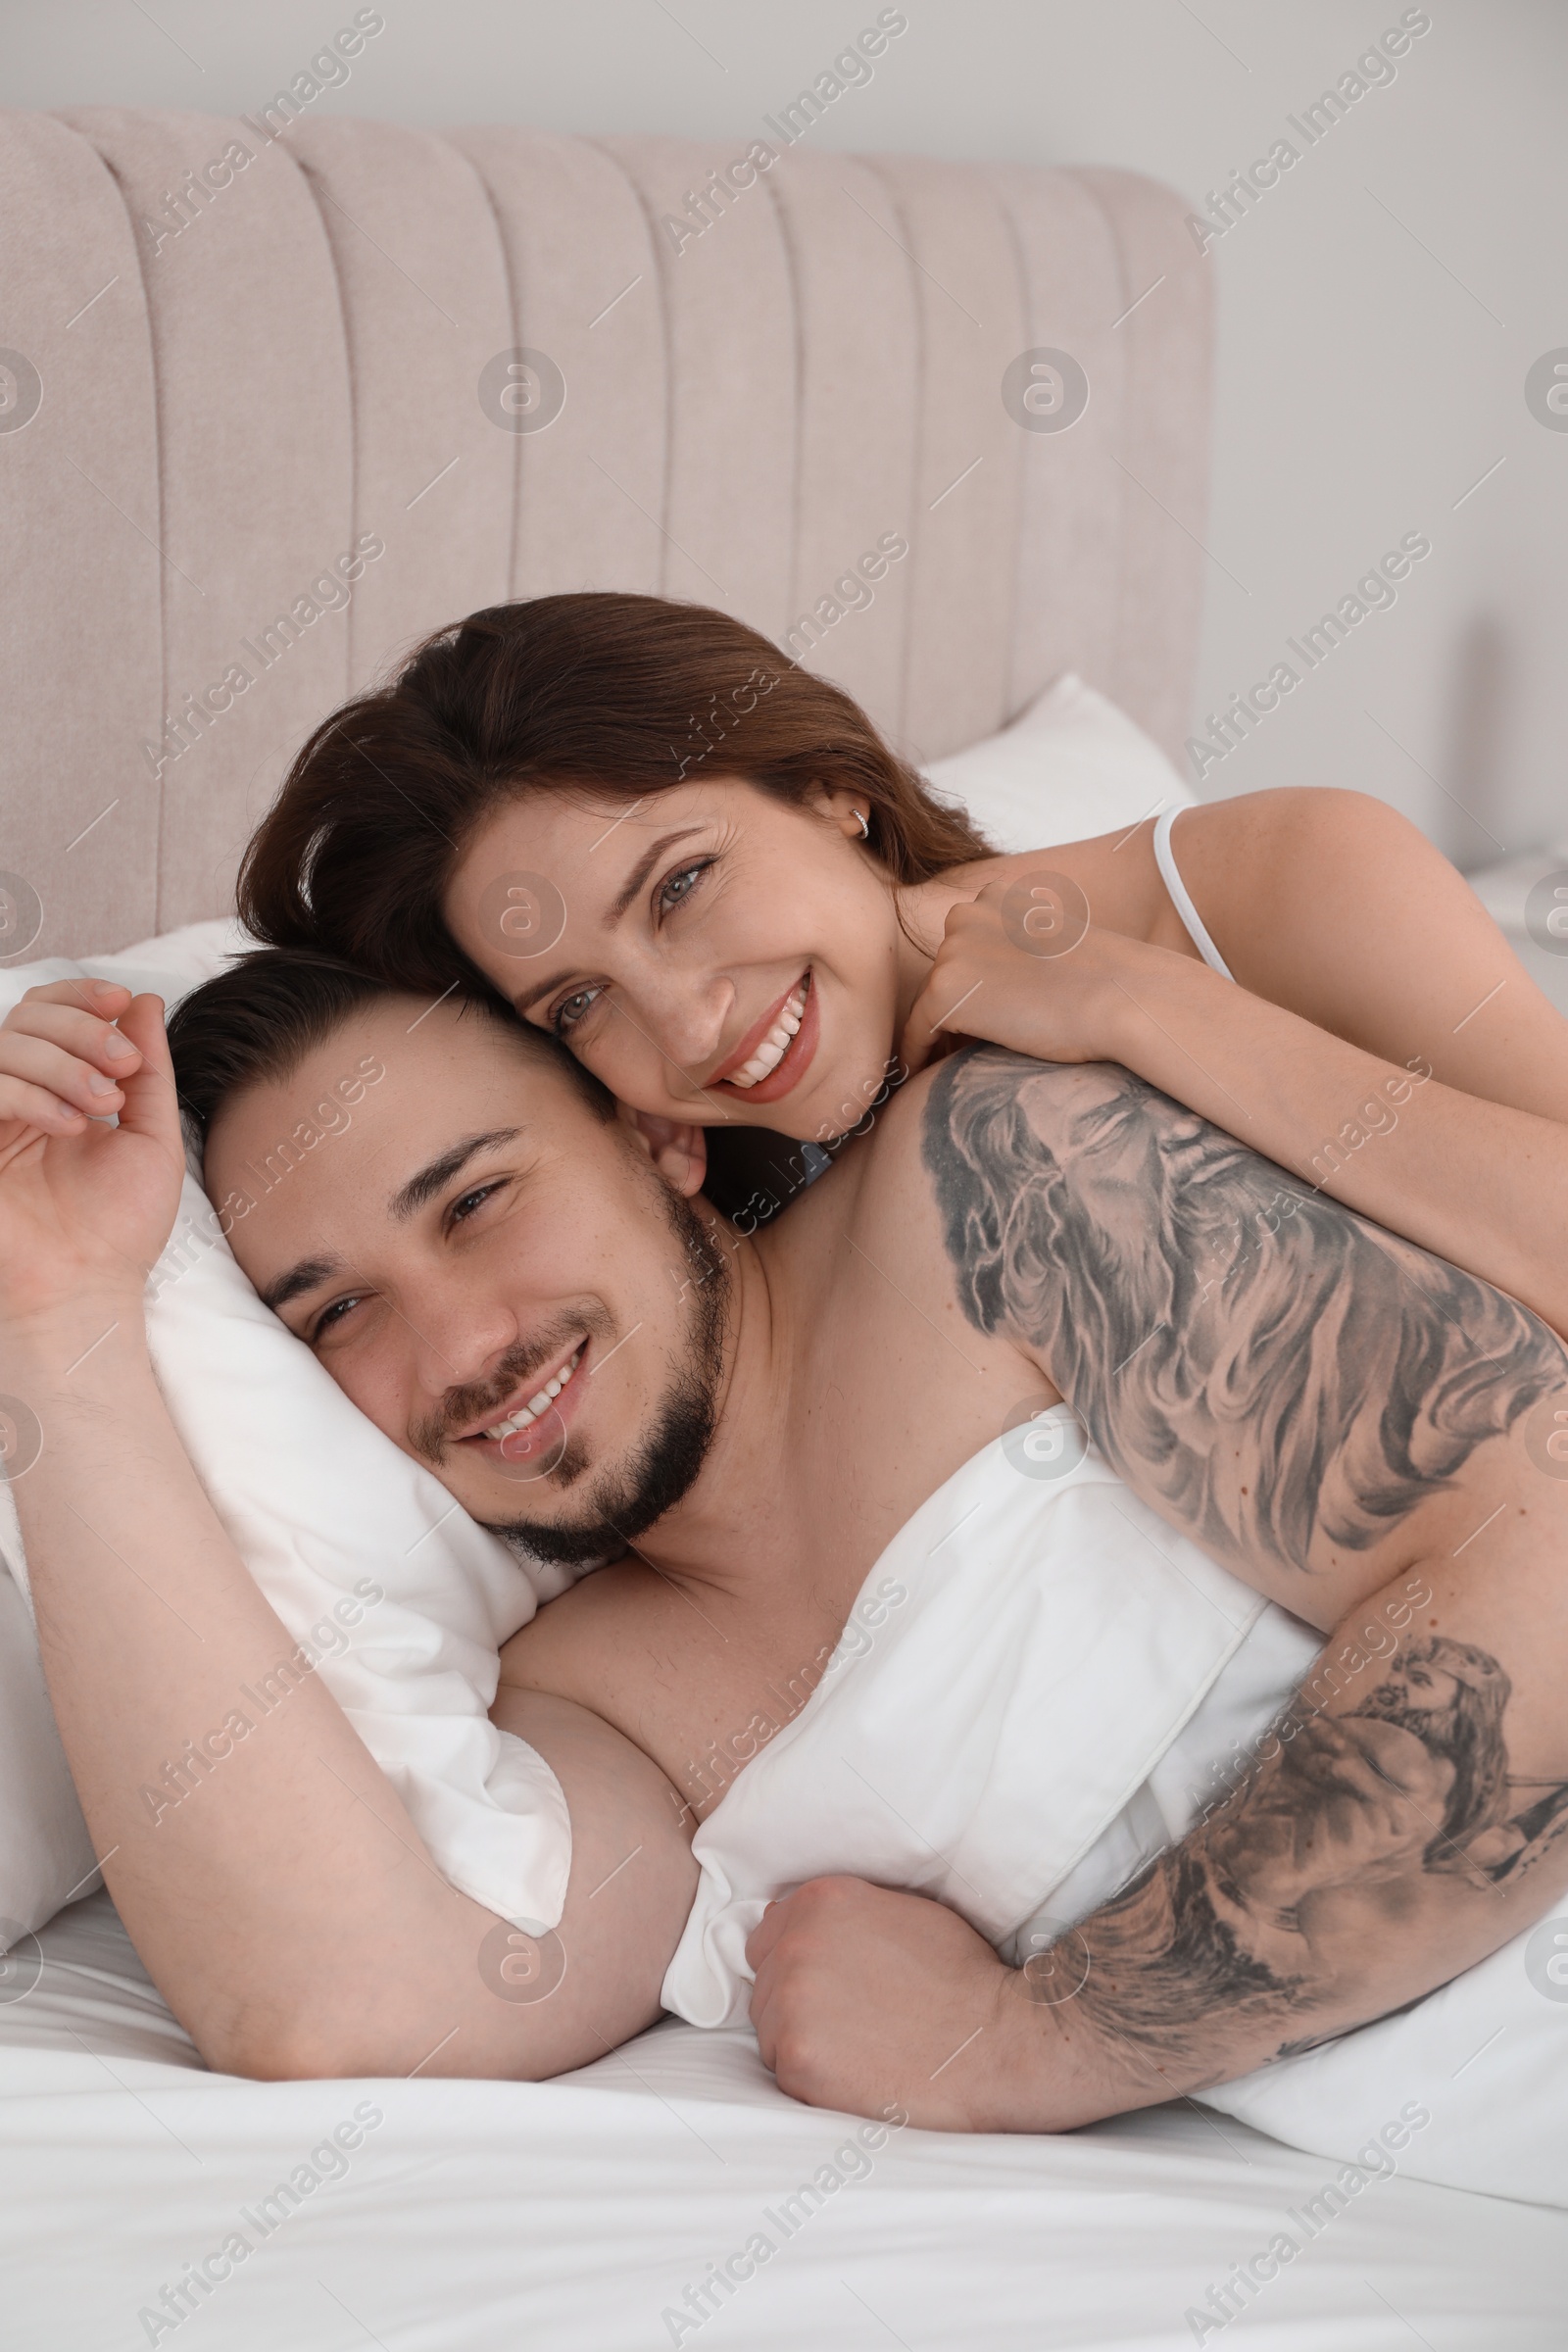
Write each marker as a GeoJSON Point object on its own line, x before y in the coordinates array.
{"type": "Point", "coordinates": [151, 1108]}
{"type": "Point", "coordinates": [24, 1105]}
{"type": "Point", "coordinates": [106, 998]}
{"type": "Point", "coordinates": [766, 1933]}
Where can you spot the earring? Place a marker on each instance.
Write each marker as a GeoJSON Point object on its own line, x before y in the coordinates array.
{"type": "Point", "coordinates": [858, 816]}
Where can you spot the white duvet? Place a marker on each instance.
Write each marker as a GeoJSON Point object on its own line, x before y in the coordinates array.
{"type": "Point", "coordinates": [1033, 1697]}
{"type": "Point", "coordinates": [595, 2213]}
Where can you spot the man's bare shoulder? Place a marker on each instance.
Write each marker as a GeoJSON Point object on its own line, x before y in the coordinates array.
{"type": "Point", "coordinates": [984, 1101]}
{"type": "Point", "coordinates": [570, 1648]}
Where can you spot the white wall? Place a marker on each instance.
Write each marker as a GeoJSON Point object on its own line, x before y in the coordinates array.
{"type": "Point", "coordinates": [1379, 308]}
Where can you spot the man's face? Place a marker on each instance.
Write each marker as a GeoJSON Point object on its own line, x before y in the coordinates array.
{"type": "Point", "coordinates": [495, 1276]}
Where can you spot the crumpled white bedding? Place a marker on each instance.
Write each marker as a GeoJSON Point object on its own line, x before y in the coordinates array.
{"type": "Point", "coordinates": [574, 2216]}
{"type": "Point", "coordinates": [1015, 1719]}
{"type": "Point", "coordinates": [1033, 1697]}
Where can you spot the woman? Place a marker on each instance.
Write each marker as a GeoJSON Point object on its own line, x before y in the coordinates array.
{"type": "Point", "coordinates": [703, 869]}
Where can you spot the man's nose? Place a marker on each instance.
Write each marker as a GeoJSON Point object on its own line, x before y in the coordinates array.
{"type": "Point", "coordinates": [460, 1334]}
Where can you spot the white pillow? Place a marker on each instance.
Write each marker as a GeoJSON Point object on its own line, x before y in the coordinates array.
{"type": "Point", "coordinates": [395, 1594]}
{"type": "Point", "coordinates": [1479, 2068]}
{"type": "Point", "coordinates": [1071, 766]}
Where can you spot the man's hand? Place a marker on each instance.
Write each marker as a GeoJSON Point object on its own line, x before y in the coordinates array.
{"type": "Point", "coordinates": [866, 1998]}
{"type": "Point", "coordinates": [84, 1207]}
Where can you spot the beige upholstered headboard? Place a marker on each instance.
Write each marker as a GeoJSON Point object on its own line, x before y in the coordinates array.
{"type": "Point", "coordinates": [233, 362]}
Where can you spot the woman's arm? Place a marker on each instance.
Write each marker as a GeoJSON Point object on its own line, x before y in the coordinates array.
{"type": "Point", "coordinates": [1336, 908]}
{"type": "Point", "coordinates": [1478, 1182]}
{"type": "Point", "coordinates": [1387, 1049]}
{"type": "Point", "coordinates": [285, 1904]}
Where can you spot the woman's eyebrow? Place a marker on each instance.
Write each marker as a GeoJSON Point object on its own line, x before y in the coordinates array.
{"type": "Point", "coordinates": [641, 871]}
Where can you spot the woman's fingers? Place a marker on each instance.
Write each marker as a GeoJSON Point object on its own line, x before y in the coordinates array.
{"type": "Point", "coordinates": [948, 986]}
{"type": "Point", "coordinates": [915, 1046]}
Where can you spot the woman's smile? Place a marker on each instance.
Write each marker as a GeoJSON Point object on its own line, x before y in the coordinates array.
{"type": "Point", "coordinates": [775, 1054]}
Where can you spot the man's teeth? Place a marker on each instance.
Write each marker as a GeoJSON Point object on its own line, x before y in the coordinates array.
{"type": "Point", "coordinates": [536, 1405]}
{"type": "Point", "coordinates": [775, 1045]}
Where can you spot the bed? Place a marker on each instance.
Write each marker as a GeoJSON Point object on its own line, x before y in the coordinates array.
{"type": "Point", "coordinates": [237, 353]}
{"type": "Point", "coordinates": [579, 2213]}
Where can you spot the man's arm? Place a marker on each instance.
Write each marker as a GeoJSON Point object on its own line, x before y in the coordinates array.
{"type": "Point", "coordinates": [1310, 1397]}
{"type": "Point", "coordinates": [287, 1909]}
{"type": "Point", "coordinates": [1346, 1423]}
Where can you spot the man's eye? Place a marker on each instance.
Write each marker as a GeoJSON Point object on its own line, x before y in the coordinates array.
{"type": "Point", "coordinates": [460, 1210]}
{"type": "Point", "coordinates": [330, 1318]}
{"type": "Point", "coordinates": [679, 886]}
{"type": "Point", "coordinates": [574, 1010]}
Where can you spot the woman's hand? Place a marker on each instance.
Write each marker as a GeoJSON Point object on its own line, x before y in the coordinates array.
{"type": "Point", "coordinates": [84, 1206]}
{"type": "Point", "coordinates": [1021, 965]}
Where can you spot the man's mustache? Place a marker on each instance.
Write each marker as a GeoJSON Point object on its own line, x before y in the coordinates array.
{"type": "Point", "coordinates": [461, 1407]}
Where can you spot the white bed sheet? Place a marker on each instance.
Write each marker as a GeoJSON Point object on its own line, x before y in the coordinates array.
{"type": "Point", "coordinates": [566, 2217]}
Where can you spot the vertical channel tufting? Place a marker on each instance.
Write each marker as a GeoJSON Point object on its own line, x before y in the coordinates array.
{"type": "Point", "coordinates": [1071, 489]}
{"type": "Point", "coordinates": [253, 359]}
{"type": "Point", "coordinates": [858, 357]}
{"type": "Point", "coordinates": [80, 642]}
{"type": "Point", "coordinates": [1163, 445]}
{"type": "Point", "coordinates": [585, 295]}
{"type": "Point", "coordinates": [968, 459]}
{"type": "Point", "coordinates": [730, 307]}
{"type": "Point", "coordinates": [253, 431]}
{"type": "Point", "coordinates": [424, 299]}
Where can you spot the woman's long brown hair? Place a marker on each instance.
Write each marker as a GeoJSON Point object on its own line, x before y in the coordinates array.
{"type": "Point", "coordinates": [616, 695]}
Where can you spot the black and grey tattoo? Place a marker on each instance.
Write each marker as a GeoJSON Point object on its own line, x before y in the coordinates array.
{"type": "Point", "coordinates": [1261, 1917]}
{"type": "Point", "coordinates": [1272, 1371]}
{"type": "Point", "coordinates": [1278, 1377]}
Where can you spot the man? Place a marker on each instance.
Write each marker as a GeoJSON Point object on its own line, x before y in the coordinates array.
{"type": "Point", "coordinates": [523, 1288]}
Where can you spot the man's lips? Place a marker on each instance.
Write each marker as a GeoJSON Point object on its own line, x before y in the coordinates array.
{"type": "Point", "coordinates": [547, 1426]}
{"type": "Point", "coordinates": [792, 1064]}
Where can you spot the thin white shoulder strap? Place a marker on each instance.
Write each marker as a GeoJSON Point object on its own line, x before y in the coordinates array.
{"type": "Point", "coordinates": [1182, 898]}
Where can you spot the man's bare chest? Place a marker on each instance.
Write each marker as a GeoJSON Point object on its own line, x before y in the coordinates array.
{"type": "Point", "coordinates": [892, 1392]}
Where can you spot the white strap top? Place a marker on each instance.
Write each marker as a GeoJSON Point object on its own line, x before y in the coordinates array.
{"type": "Point", "coordinates": [1182, 898]}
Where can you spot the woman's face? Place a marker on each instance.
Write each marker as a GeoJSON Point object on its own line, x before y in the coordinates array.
{"type": "Point", "coordinates": [709, 953]}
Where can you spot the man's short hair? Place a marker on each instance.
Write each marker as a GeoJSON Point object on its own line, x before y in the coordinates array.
{"type": "Point", "coordinates": [254, 1024]}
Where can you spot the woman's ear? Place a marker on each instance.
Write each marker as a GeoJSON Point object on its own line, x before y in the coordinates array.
{"type": "Point", "coordinates": [846, 811]}
{"type": "Point", "coordinates": [677, 1147]}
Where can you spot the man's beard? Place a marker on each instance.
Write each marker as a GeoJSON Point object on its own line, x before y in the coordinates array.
{"type": "Point", "coordinates": [624, 1502]}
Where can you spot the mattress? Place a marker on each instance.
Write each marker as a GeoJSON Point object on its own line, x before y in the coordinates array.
{"type": "Point", "coordinates": [594, 2214]}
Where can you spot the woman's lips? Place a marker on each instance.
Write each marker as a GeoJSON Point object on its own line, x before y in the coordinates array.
{"type": "Point", "coordinates": [792, 1064]}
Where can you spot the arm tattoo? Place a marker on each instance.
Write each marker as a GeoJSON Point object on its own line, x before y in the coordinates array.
{"type": "Point", "coordinates": [1257, 1920]}
{"type": "Point", "coordinates": [1268, 1369]}
{"type": "Point", "coordinates": [1278, 1377]}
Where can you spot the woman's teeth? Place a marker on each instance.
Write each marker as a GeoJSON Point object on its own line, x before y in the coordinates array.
{"type": "Point", "coordinates": [775, 1045]}
{"type": "Point", "coordinates": [536, 1405]}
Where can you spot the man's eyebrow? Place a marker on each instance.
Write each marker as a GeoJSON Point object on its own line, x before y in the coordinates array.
{"type": "Point", "coordinates": [623, 898]}
{"type": "Point", "coordinates": [307, 1275]}
{"type": "Point", "coordinates": [430, 1180]}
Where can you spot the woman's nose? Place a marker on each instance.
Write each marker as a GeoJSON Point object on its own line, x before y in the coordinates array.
{"type": "Point", "coordinates": [682, 1015]}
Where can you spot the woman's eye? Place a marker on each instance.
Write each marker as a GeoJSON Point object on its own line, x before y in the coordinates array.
{"type": "Point", "coordinates": [679, 886]}
{"type": "Point", "coordinates": [572, 1009]}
